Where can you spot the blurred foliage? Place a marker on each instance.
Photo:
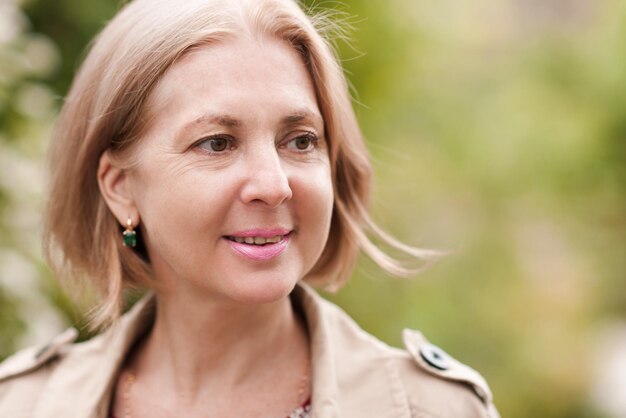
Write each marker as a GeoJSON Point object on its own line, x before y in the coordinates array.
{"type": "Point", "coordinates": [497, 129]}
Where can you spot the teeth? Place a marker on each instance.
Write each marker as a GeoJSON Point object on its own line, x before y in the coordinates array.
{"type": "Point", "coordinates": [257, 240]}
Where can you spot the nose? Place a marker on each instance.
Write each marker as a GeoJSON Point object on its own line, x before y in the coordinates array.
{"type": "Point", "coordinates": [266, 182]}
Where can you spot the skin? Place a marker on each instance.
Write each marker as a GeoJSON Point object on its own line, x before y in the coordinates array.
{"type": "Point", "coordinates": [235, 143]}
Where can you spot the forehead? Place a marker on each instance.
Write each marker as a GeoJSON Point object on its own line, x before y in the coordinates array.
{"type": "Point", "coordinates": [236, 76]}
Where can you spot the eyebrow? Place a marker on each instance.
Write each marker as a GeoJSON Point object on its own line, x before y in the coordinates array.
{"type": "Point", "coordinates": [301, 115]}
{"type": "Point", "coordinates": [222, 120]}
{"type": "Point", "coordinates": [228, 121]}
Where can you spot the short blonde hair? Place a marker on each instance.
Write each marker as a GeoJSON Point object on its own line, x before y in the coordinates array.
{"type": "Point", "coordinates": [105, 111]}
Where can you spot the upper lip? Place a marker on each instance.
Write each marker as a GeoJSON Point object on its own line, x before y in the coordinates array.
{"type": "Point", "coordinates": [260, 232]}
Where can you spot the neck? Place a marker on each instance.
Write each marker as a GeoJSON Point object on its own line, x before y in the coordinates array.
{"type": "Point", "coordinates": [195, 350]}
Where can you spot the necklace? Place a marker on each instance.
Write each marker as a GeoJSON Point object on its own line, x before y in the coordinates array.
{"type": "Point", "coordinates": [128, 385]}
{"type": "Point", "coordinates": [302, 401]}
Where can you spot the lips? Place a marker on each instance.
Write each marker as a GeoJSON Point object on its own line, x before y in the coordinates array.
{"type": "Point", "coordinates": [256, 240]}
{"type": "Point", "coordinates": [259, 244]}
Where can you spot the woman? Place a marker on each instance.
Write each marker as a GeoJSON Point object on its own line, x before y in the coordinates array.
{"type": "Point", "coordinates": [208, 151]}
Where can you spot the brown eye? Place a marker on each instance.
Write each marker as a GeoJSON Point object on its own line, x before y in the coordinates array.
{"type": "Point", "coordinates": [218, 144]}
{"type": "Point", "coordinates": [215, 145]}
{"type": "Point", "coordinates": [302, 143]}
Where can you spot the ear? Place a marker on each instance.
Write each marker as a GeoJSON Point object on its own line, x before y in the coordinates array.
{"type": "Point", "coordinates": [114, 185]}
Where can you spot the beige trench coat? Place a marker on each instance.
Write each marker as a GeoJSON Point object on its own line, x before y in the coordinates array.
{"type": "Point", "coordinates": [354, 374]}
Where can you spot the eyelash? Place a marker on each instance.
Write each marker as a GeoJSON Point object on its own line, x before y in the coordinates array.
{"type": "Point", "coordinates": [230, 143]}
{"type": "Point", "coordinates": [314, 141]}
{"type": "Point", "coordinates": [207, 140]}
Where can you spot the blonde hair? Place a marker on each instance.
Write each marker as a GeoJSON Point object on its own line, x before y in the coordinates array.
{"type": "Point", "coordinates": [105, 110]}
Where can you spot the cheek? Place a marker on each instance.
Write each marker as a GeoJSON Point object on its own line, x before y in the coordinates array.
{"type": "Point", "coordinates": [327, 199]}
{"type": "Point", "coordinates": [175, 207]}
{"type": "Point", "coordinates": [316, 203]}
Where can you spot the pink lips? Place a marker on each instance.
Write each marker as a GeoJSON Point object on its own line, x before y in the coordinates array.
{"type": "Point", "coordinates": [260, 252]}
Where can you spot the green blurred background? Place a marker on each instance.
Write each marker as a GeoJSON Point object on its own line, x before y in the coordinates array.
{"type": "Point", "coordinates": [497, 129]}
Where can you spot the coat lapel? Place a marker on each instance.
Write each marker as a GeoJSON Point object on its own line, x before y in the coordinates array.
{"type": "Point", "coordinates": [354, 374]}
{"type": "Point", "coordinates": [82, 385]}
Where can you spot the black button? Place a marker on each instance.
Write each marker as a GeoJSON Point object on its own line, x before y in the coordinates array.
{"type": "Point", "coordinates": [42, 351]}
{"type": "Point", "coordinates": [435, 356]}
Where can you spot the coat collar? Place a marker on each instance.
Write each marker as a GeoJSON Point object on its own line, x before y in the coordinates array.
{"type": "Point", "coordinates": [82, 384]}
{"type": "Point", "coordinates": [353, 373]}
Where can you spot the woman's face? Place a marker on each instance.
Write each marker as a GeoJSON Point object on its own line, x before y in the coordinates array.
{"type": "Point", "coordinates": [233, 185]}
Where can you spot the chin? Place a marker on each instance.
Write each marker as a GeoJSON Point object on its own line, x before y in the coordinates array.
{"type": "Point", "coordinates": [263, 290]}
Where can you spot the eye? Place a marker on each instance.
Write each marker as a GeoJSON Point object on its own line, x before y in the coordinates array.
{"type": "Point", "coordinates": [216, 144]}
{"type": "Point", "coordinates": [303, 142]}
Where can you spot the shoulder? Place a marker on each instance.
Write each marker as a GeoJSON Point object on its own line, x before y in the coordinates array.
{"type": "Point", "coordinates": [429, 382]}
{"type": "Point", "coordinates": [438, 385]}
{"type": "Point", "coordinates": [24, 374]}
{"type": "Point", "coordinates": [36, 380]}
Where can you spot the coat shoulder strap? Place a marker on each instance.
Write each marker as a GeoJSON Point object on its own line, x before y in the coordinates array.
{"type": "Point", "coordinates": [437, 362]}
{"type": "Point", "coordinates": [32, 358]}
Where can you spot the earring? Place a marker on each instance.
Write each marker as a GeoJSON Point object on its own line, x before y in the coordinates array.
{"type": "Point", "coordinates": [129, 236]}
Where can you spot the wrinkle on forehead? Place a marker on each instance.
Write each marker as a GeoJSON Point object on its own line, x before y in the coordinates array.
{"type": "Point", "coordinates": [156, 99]}
{"type": "Point", "coordinates": [203, 87]}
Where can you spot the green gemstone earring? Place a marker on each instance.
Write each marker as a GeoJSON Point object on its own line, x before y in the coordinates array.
{"type": "Point", "coordinates": [129, 236]}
